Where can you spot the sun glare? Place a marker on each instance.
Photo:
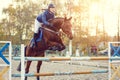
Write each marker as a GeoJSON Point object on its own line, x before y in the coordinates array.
{"type": "Point", "coordinates": [4, 4]}
{"type": "Point", "coordinates": [107, 11]}
{"type": "Point", "coordinates": [94, 9]}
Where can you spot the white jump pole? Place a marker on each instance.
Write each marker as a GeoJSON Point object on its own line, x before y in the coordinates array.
{"type": "Point", "coordinates": [10, 59]}
{"type": "Point", "coordinates": [22, 62]}
{"type": "Point", "coordinates": [77, 52]}
{"type": "Point", "coordinates": [109, 67]}
{"type": "Point", "coordinates": [70, 47]}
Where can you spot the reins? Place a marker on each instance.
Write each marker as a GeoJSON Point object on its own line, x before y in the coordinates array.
{"type": "Point", "coordinates": [50, 30]}
{"type": "Point", "coordinates": [47, 29]}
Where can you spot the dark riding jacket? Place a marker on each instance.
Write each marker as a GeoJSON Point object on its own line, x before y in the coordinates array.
{"type": "Point", "coordinates": [45, 16]}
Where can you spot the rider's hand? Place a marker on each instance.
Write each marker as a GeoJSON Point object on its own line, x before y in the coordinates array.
{"type": "Point", "coordinates": [51, 25]}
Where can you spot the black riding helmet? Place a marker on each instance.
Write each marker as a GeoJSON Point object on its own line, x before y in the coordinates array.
{"type": "Point", "coordinates": [51, 6]}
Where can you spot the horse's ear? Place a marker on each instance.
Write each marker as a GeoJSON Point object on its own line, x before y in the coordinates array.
{"type": "Point", "coordinates": [70, 18]}
{"type": "Point", "coordinates": [65, 18]}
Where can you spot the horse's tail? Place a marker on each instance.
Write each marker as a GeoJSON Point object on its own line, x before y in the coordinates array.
{"type": "Point", "coordinates": [19, 66]}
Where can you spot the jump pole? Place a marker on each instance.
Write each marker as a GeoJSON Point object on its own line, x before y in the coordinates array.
{"type": "Point", "coordinates": [61, 73]}
{"type": "Point", "coordinates": [109, 62]}
{"type": "Point", "coordinates": [22, 62]}
{"type": "Point", "coordinates": [66, 58]}
{"type": "Point", "coordinates": [70, 47]}
{"type": "Point", "coordinates": [62, 59]}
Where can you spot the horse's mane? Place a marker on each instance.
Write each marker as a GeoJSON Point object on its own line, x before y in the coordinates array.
{"type": "Point", "coordinates": [55, 18]}
{"type": "Point", "coordinates": [56, 22]}
{"type": "Point", "coordinates": [59, 18]}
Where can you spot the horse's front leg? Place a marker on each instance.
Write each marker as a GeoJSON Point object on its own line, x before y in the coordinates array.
{"type": "Point", "coordinates": [38, 68]}
{"type": "Point", "coordinates": [60, 45]}
{"type": "Point", "coordinates": [27, 68]}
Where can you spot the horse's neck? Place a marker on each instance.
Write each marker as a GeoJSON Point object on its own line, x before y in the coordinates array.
{"type": "Point", "coordinates": [57, 25]}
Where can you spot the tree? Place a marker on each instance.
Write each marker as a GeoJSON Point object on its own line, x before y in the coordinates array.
{"type": "Point", "coordinates": [20, 19]}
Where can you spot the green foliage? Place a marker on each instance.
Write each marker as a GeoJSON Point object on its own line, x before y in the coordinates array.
{"type": "Point", "coordinates": [19, 21]}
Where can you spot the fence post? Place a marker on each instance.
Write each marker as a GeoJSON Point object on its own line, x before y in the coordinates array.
{"type": "Point", "coordinates": [22, 62]}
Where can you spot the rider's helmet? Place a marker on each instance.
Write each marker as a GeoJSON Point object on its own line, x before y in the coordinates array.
{"type": "Point", "coordinates": [51, 6]}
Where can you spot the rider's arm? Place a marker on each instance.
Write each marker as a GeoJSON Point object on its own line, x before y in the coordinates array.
{"type": "Point", "coordinates": [44, 19]}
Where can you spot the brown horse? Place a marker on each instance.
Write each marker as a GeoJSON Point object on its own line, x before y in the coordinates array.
{"type": "Point", "coordinates": [50, 38]}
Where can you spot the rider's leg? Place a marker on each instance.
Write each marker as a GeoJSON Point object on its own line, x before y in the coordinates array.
{"type": "Point", "coordinates": [35, 38]}
{"type": "Point", "coordinates": [37, 25]}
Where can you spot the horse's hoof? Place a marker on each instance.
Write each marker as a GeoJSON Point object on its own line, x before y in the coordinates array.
{"type": "Point", "coordinates": [62, 48]}
{"type": "Point", "coordinates": [54, 48]}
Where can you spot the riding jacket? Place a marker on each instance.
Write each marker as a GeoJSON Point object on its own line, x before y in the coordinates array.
{"type": "Point", "coordinates": [45, 16]}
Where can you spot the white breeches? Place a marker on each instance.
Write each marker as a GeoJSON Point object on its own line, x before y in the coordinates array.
{"type": "Point", "coordinates": [37, 26]}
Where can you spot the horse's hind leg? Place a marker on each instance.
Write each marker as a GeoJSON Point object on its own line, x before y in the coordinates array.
{"type": "Point", "coordinates": [38, 68]}
{"type": "Point", "coordinates": [19, 66]}
{"type": "Point", "coordinates": [27, 68]}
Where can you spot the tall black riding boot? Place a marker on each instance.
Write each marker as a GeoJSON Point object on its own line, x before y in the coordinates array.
{"type": "Point", "coordinates": [35, 38]}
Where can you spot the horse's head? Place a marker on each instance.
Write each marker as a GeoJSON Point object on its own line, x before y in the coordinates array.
{"type": "Point", "coordinates": [67, 27]}
{"type": "Point", "coordinates": [64, 24]}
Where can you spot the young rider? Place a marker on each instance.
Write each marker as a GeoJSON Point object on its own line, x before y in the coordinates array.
{"type": "Point", "coordinates": [43, 19]}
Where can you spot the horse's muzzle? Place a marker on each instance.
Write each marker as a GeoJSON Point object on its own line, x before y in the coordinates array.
{"type": "Point", "coordinates": [70, 37]}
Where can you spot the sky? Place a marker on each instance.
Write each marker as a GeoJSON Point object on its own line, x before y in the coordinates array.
{"type": "Point", "coordinates": [3, 4]}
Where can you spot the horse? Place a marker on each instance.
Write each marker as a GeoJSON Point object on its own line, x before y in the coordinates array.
{"type": "Point", "coordinates": [50, 38]}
